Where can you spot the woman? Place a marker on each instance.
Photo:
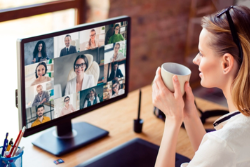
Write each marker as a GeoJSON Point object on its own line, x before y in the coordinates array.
{"type": "Point", "coordinates": [117, 55]}
{"type": "Point", "coordinates": [82, 80]}
{"type": "Point", "coordinates": [39, 53]}
{"type": "Point", "coordinates": [224, 63]}
{"type": "Point", "coordinates": [41, 70]}
{"type": "Point", "coordinates": [92, 43]}
{"type": "Point", "coordinates": [116, 37]}
{"type": "Point", "coordinates": [91, 98]}
{"type": "Point", "coordinates": [68, 108]}
{"type": "Point", "coordinates": [116, 91]}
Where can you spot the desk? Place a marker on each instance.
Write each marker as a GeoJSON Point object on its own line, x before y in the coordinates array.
{"type": "Point", "coordinates": [117, 118]}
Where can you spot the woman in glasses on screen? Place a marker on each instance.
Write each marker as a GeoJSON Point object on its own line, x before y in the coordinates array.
{"type": "Point", "coordinates": [117, 55]}
{"type": "Point", "coordinates": [117, 36]}
{"type": "Point", "coordinates": [39, 53]}
{"type": "Point", "coordinates": [92, 43]}
{"type": "Point", "coordinates": [40, 72]}
{"type": "Point", "coordinates": [116, 91]}
{"type": "Point", "coordinates": [68, 108]}
{"type": "Point", "coordinates": [82, 80]}
{"type": "Point", "coordinates": [224, 62]}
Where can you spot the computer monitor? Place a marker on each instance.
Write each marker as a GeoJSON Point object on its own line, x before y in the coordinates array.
{"type": "Point", "coordinates": [64, 74]}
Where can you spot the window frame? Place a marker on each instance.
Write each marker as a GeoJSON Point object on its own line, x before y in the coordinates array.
{"type": "Point", "coordinates": [37, 9]}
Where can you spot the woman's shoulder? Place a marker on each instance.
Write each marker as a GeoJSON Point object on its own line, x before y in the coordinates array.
{"type": "Point", "coordinates": [120, 55]}
{"type": "Point", "coordinates": [111, 38]}
{"type": "Point", "coordinates": [235, 127]}
{"type": "Point", "coordinates": [34, 83]}
{"type": "Point", "coordinates": [235, 133]}
{"type": "Point", "coordinates": [72, 80]}
{"type": "Point", "coordinates": [48, 78]}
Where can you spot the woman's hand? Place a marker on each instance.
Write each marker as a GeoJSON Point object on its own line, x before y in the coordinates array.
{"type": "Point", "coordinates": [171, 104]}
{"type": "Point", "coordinates": [190, 110]}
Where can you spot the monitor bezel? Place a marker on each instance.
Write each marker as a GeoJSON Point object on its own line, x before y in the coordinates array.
{"type": "Point", "coordinates": [21, 74]}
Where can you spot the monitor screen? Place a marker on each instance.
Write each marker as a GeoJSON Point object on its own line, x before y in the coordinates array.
{"type": "Point", "coordinates": [71, 72]}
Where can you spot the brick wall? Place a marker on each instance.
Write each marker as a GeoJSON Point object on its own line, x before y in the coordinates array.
{"type": "Point", "coordinates": [158, 35]}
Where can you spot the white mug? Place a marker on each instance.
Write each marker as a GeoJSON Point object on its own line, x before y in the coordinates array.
{"type": "Point", "coordinates": [168, 70]}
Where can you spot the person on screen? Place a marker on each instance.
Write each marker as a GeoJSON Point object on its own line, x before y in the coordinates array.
{"type": "Point", "coordinates": [115, 73]}
{"type": "Point", "coordinates": [116, 91]}
{"type": "Point", "coordinates": [41, 70]}
{"type": "Point", "coordinates": [69, 49]}
{"type": "Point", "coordinates": [41, 118]}
{"type": "Point", "coordinates": [116, 37]}
{"type": "Point", "coordinates": [68, 108]}
{"type": "Point", "coordinates": [92, 98]}
{"type": "Point", "coordinates": [41, 97]}
{"type": "Point", "coordinates": [117, 55]}
{"type": "Point", "coordinates": [82, 80]}
{"type": "Point", "coordinates": [92, 43]}
{"type": "Point", "coordinates": [39, 53]}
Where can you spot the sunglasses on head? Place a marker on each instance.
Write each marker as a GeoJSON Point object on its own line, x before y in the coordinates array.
{"type": "Point", "coordinates": [233, 30]}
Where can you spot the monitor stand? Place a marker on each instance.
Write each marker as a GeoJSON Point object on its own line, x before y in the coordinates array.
{"type": "Point", "coordinates": [66, 138]}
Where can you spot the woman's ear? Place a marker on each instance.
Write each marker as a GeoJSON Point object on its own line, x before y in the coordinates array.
{"type": "Point", "coordinates": [227, 63]}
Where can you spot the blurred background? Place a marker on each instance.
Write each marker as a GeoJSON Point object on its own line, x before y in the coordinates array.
{"type": "Point", "coordinates": [161, 31]}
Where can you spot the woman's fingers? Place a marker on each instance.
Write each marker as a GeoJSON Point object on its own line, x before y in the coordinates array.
{"type": "Point", "coordinates": [159, 82]}
{"type": "Point", "coordinates": [177, 87]}
{"type": "Point", "coordinates": [155, 90]}
{"type": "Point", "coordinates": [189, 92]}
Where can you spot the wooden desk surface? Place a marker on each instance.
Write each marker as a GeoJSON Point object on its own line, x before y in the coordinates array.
{"type": "Point", "coordinates": [117, 118]}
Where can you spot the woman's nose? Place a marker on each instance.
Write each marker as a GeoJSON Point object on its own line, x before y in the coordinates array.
{"type": "Point", "coordinates": [196, 60]}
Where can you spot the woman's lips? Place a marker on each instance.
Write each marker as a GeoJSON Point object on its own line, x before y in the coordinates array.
{"type": "Point", "coordinates": [78, 72]}
{"type": "Point", "coordinates": [200, 74]}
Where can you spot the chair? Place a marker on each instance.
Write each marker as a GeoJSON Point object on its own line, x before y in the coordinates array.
{"type": "Point", "coordinates": [75, 43]}
{"type": "Point", "coordinates": [93, 69]}
{"type": "Point", "coordinates": [57, 91]}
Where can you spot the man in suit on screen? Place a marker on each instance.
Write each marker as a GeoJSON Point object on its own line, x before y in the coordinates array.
{"type": "Point", "coordinates": [69, 49]}
{"type": "Point", "coordinates": [115, 72]}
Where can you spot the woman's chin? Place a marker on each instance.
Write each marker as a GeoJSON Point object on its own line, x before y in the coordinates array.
{"type": "Point", "coordinates": [79, 73]}
{"type": "Point", "coordinates": [205, 85]}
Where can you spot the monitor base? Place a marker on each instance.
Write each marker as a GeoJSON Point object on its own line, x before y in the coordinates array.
{"type": "Point", "coordinates": [83, 134]}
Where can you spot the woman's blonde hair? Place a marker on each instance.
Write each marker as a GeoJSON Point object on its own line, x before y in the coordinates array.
{"type": "Point", "coordinates": [222, 42]}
